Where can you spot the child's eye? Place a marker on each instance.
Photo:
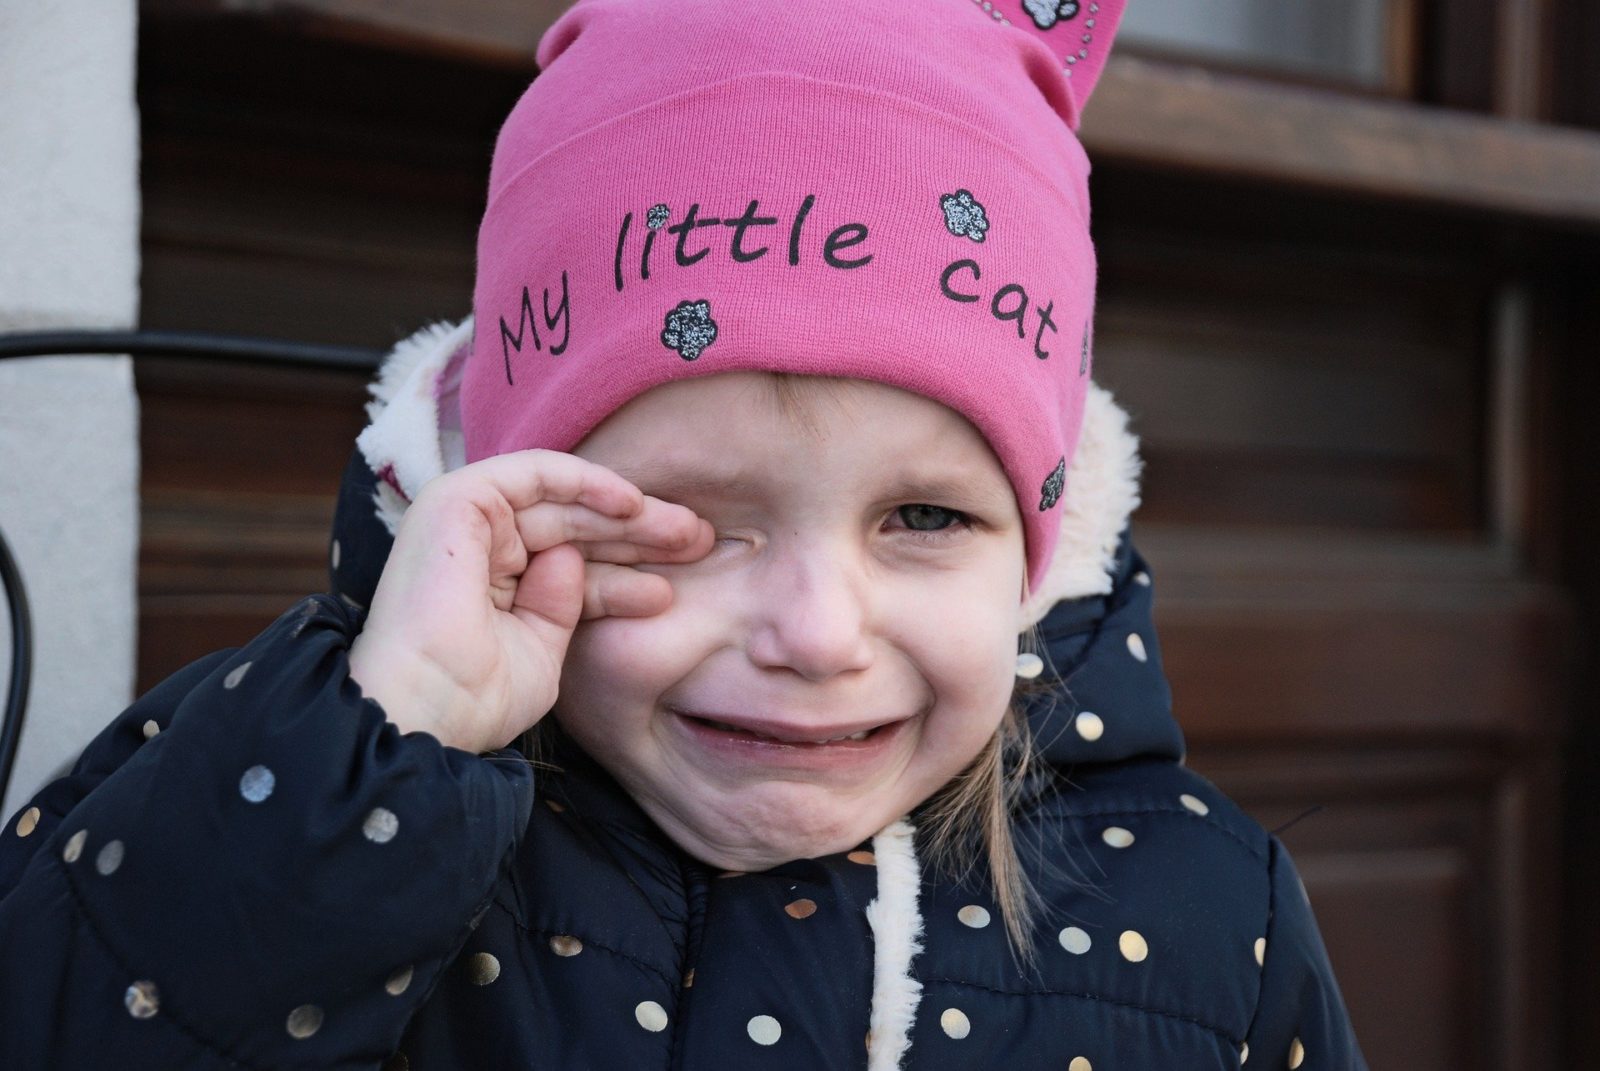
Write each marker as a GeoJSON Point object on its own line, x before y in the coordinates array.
{"type": "Point", "coordinates": [929, 520]}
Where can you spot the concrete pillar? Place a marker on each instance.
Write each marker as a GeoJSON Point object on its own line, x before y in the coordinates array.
{"type": "Point", "coordinates": [69, 443]}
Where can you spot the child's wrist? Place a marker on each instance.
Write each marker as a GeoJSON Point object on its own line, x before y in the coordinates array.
{"type": "Point", "coordinates": [413, 698]}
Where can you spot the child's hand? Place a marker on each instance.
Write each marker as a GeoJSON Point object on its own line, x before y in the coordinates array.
{"type": "Point", "coordinates": [484, 585]}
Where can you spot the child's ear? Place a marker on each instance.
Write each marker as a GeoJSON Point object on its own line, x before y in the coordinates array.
{"type": "Point", "coordinates": [1079, 32]}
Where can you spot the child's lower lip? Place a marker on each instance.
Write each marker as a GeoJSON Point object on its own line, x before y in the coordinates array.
{"type": "Point", "coordinates": [749, 748]}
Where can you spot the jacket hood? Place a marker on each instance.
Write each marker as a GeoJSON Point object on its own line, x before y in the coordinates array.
{"type": "Point", "coordinates": [1092, 616]}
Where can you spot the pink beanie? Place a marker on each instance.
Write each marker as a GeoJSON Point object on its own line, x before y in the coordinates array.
{"type": "Point", "coordinates": [884, 191]}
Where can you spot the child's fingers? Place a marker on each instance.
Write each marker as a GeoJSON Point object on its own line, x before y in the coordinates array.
{"type": "Point", "coordinates": [550, 592]}
{"type": "Point", "coordinates": [621, 552]}
{"type": "Point", "coordinates": [617, 591]}
{"type": "Point", "coordinates": [663, 527]}
{"type": "Point", "coordinates": [528, 477]}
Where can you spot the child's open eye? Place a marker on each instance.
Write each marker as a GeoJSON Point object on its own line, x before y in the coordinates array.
{"type": "Point", "coordinates": [922, 518]}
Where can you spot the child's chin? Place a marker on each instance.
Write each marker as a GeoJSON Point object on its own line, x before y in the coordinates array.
{"type": "Point", "coordinates": [764, 850]}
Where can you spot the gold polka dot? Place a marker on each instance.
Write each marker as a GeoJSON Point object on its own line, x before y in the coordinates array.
{"type": "Point", "coordinates": [864, 858]}
{"type": "Point", "coordinates": [1142, 577]}
{"type": "Point", "coordinates": [1244, 1051]}
{"type": "Point", "coordinates": [381, 825]}
{"type": "Point", "coordinates": [142, 1000]}
{"type": "Point", "coordinates": [110, 858]}
{"type": "Point", "coordinates": [397, 1062]}
{"type": "Point", "coordinates": [1075, 940]}
{"type": "Point", "coordinates": [801, 908]}
{"type": "Point", "coordinates": [1117, 837]}
{"type": "Point", "coordinates": [1297, 1054]}
{"type": "Point", "coordinates": [399, 981]}
{"type": "Point", "coordinates": [231, 681]}
{"type": "Point", "coordinates": [688, 979]}
{"type": "Point", "coordinates": [28, 822]}
{"type": "Point", "coordinates": [74, 846]}
{"type": "Point", "coordinates": [1261, 951]}
{"type": "Point", "coordinates": [304, 1021]}
{"type": "Point", "coordinates": [1029, 665]}
{"type": "Point", "coordinates": [1136, 646]}
{"type": "Point", "coordinates": [482, 968]}
{"type": "Point", "coordinates": [555, 805]}
{"type": "Point", "coordinates": [1089, 726]}
{"type": "Point", "coordinates": [955, 1023]}
{"type": "Point", "coordinates": [1194, 804]}
{"type": "Point", "coordinates": [1079, 1063]}
{"type": "Point", "coordinates": [151, 729]}
{"type": "Point", "coordinates": [564, 944]}
{"type": "Point", "coordinates": [651, 1016]}
{"type": "Point", "coordinates": [1133, 946]}
{"type": "Point", "coordinates": [764, 1030]}
{"type": "Point", "coordinates": [974, 916]}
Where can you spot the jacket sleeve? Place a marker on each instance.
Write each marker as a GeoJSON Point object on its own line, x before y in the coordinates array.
{"type": "Point", "coordinates": [248, 868]}
{"type": "Point", "coordinates": [1300, 1019]}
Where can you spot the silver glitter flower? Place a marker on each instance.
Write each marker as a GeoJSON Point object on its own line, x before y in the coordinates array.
{"type": "Point", "coordinates": [963, 215]}
{"type": "Point", "coordinates": [1045, 13]}
{"type": "Point", "coordinates": [690, 329]}
{"type": "Point", "coordinates": [1050, 493]}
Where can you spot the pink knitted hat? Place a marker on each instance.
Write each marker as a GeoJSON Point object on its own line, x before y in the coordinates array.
{"type": "Point", "coordinates": [885, 191]}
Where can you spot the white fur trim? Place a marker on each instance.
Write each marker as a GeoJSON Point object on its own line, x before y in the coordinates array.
{"type": "Point", "coordinates": [416, 441]}
{"type": "Point", "coordinates": [1101, 494]}
{"type": "Point", "coordinates": [896, 923]}
{"type": "Point", "coordinates": [404, 436]}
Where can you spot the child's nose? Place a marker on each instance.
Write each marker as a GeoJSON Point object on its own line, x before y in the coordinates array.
{"type": "Point", "coordinates": [812, 616]}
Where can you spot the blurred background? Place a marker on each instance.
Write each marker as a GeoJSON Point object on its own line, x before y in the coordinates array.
{"type": "Point", "coordinates": [1350, 296]}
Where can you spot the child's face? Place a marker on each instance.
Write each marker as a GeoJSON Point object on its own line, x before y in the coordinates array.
{"type": "Point", "coordinates": [841, 596]}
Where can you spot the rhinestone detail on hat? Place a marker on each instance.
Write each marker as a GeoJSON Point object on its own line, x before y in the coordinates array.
{"type": "Point", "coordinates": [989, 7]}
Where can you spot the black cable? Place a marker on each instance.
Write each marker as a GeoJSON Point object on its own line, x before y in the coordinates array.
{"type": "Point", "coordinates": [188, 344]}
{"type": "Point", "coordinates": [21, 662]}
{"type": "Point", "coordinates": [184, 344]}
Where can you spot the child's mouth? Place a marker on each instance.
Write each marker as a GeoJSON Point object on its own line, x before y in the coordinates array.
{"type": "Point", "coordinates": [725, 727]}
{"type": "Point", "coordinates": [770, 740]}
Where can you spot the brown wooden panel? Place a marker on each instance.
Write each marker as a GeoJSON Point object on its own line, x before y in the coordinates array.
{"type": "Point", "coordinates": [1191, 118]}
{"type": "Point", "coordinates": [1323, 664]}
{"type": "Point", "coordinates": [1419, 863]}
{"type": "Point", "coordinates": [1293, 361]}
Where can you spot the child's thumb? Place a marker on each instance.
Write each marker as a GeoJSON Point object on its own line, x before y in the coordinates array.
{"type": "Point", "coordinates": [549, 594]}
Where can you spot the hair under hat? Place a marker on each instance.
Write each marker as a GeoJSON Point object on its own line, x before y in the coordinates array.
{"type": "Point", "coordinates": [888, 192]}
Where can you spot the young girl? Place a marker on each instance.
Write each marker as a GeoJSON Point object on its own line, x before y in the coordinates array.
{"type": "Point", "coordinates": [736, 656]}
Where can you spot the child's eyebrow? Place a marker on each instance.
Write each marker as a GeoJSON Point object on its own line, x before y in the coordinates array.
{"type": "Point", "coordinates": [953, 489]}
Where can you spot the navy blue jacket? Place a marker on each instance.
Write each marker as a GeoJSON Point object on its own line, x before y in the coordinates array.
{"type": "Point", "coordinates": [251, 868]}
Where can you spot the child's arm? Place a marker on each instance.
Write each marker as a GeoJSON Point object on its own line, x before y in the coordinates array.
{"type": "Point", "coordinates": [1300, 1020]}
{"type": "Point", "coordinates": [274, 878]}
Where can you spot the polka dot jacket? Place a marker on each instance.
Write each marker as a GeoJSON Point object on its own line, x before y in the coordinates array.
{"type": "Point", "coordinates": [250, 868]}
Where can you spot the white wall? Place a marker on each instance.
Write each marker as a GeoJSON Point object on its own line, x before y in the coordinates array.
{"type": "Point", "coordinates": [69, 446]}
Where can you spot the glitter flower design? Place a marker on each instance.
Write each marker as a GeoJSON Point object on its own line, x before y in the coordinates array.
{"type": "Point", "coordinates": [656, 218]}
{"type": "Point", "coordinates": [1045, 13]}
{"type": "Point", "coordinates": [964, 216]}
{"type": "Point", "coordinates": [1050, 493]}
{"type": "Point", "coordinates": [690, 329]}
